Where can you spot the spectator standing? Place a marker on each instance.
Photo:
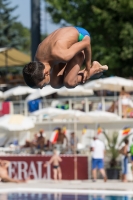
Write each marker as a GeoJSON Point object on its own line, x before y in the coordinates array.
{"type": "Point", "coordinates": [61, 139]}
{"type": "Point", "coordinates": [73, 142]}
{"type": "Point", "coordinates": [34, 143]}
{"type": "Point", "coordinates": [41, 140]}
{"type": "Point", "coordinates": [98, 152]}
{"type": "Point", "coordinates": [124, 151]}
{"type": "Point", "coordinates": [131, 152]}
{"type": "Point", "coordinates": [55, 161]}
{"type": "Point", "coordinates": [125, 101]}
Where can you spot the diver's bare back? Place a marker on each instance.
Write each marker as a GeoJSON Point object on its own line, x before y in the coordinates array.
{"type": "Point", "coordinates": [67, 36]}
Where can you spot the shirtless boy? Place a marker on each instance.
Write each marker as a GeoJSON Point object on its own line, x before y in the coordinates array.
{"type": "Point", "coordinates": [55, 160]}
{"type": "Point", "coordinates": [59, 58]}
{"type": "Point", "coordinates": [4, 177]}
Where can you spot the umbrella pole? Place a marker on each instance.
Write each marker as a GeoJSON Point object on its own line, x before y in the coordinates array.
{"type": "Point", "coordinates": [25, 108]}
{"type": "Point", "coordinates": [90, 158]}
{"type": "Point", "coordinates": [86, 105]}
{"type": "Point", "coordinates": [50, 130]}
{"type": "Point", "coordinates": [119, 107]}
{"type": "Point", "coordinates": [70, 104]}
{"type": "Point", "coordinates": [14, 136]}
{"type": "Point", "coordinates": [103, 104]}
{"type": "Point", "coordinates": [96, 125]}
{"type": "Point", "coordinates": [21, 107]}
{"type": "Point", "coordinates": [75, 153]}
{"type": "Point", "coordinates": [115, 98]}
{"type": "Point", "coordinates": [6, 62]}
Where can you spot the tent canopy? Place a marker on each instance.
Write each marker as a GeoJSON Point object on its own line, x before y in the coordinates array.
{"type": "Point", "coordinates": [12, 57]}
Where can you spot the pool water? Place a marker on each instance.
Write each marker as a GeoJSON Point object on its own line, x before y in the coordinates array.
{"type": "Point", "coordinates": [58, 196]}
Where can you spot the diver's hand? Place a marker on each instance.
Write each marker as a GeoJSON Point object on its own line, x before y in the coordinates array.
{"type": "Point", "coordinates": [86, 75]}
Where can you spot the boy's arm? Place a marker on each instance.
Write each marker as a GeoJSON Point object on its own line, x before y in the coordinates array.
{"type": "Point", "coordinates": [51, 160]}
{"type": "Point", "coordinates": [48, 162]}
{"type": "Point", "coordinates": [59, 159]}
{"type": "Point", "coordinates": [91, 148]}
{"type": "Point", "coordinates": [87, 52]}
{"type": "Point", "coordinates": [59, 52]}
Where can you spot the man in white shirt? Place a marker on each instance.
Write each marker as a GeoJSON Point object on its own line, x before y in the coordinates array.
{"type": "Point", "coordinates": [98, 149]}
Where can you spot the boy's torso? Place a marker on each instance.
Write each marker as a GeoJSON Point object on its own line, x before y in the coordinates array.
{"type": "Point", "coordinates": [67, 36]}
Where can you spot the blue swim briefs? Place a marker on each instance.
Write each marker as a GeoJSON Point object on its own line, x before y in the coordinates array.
{"type": "Point", "coordinates": [82, 33]}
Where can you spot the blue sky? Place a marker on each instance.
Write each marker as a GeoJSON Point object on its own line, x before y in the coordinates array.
{"type": "Point", "coordinates": [23, 11]}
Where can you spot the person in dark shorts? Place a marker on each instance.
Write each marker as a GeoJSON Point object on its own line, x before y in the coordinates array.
{"type": "Point", "coordinates": [55, 161]}
{"type": "Point", "coordinates": [131, 152]}
{"type": "Point", "coordinates": [124, 151]}
{"type": "Point", "coordinates": [59, 58]}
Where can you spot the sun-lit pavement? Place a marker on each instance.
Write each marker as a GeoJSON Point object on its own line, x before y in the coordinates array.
{"type": "Point", "coordinates": [52, 186]}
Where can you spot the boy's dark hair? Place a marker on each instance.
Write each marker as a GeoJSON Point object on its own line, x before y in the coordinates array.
{"type": "Point", "coordinates": [126, 141]}
{"type": "Point", "coordinates": [33, 73]}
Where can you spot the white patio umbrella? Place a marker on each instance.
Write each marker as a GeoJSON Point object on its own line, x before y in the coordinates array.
{"type": "Point", "coordinates": [16, 123]}
{"type": "Point", "coordinates": [47, 112]}
{"type": "Point", "coordinates": [89, 117]}
{"type": "Point", "coordinates": [69, 115]}
{"type": "Point", "coordinates": [114, 83]}
{"type": "Point", "coordinates": [18, 91]}
{"type": "Point", "coordinates": [94, 85]}
{"type": "Point", "coordinates": [41, 93]}
{"type": "Point", "coordinates": [77, 91]}
{"type": "Point", "coordinates": [100, 116]}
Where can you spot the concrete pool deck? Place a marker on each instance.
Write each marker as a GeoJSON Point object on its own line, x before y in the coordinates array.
{"type": "Point", "coordinates": [83, 187]}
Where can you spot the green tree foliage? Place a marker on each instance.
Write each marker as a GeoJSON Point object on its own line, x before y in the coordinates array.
{"type": "Point", "coordinates": [24, 33]}
{"type": "Point", "coordinates": [12, 33]}
{"type": "Point", "coordinates": [110, 24]}
{"type": "Point", "coordinates": [113, 147]}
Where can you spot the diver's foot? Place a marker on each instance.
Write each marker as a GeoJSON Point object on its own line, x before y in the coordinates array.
{"type": "Point", "coordinates": [28, 179]}
{"type": "Point", "coordinates": [97, 68]}
{"type": "Point", "coordinates": [96, 76]}
{"type": "Point", "coordinates": [105, 179]}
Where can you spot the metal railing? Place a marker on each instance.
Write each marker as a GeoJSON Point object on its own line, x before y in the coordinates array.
{"type": "Point", "coordinates": [105, 103]}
